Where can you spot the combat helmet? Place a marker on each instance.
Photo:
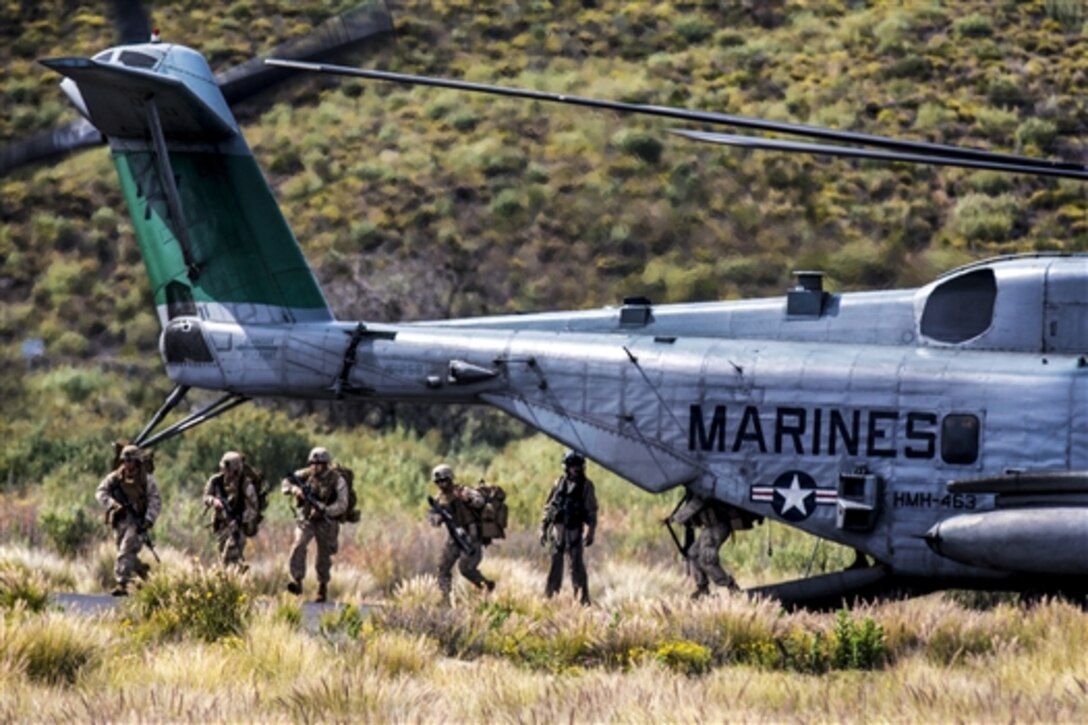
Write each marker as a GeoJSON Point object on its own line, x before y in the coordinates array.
{"type": "Point", "coordinates": [442, 472]}
{"type": "Point", "coordinates": [131, 453]}
{"type": "Point", "coordinates": [319, 455]}
{"type": "Point", "coordinates": [573, 458]}
{"type": "Point", "coordinates": [231, 461]}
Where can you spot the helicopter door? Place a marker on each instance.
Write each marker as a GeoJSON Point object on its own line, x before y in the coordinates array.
{"type": "Point", "coordinates": [1066, 309]}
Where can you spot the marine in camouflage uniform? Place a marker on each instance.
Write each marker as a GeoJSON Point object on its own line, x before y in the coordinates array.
{"type": "Point", "coordinates": [712, 518]}
{"type": "Point", "coordinates": [569, 525]}
{"type": "Point", "coordinates": [133, 483]}
{"type": "Point", "coordinates": [464, 504]}
{"type": "Point", "coordinates": [232, 495]}
{"type": "Point", "coordinates": [316, 519]}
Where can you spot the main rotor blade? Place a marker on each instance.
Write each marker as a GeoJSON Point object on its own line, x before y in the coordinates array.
{"type": "Point", "coordinates": [758, 142]}
{"type": "Point", "coordinates": [919, 147]}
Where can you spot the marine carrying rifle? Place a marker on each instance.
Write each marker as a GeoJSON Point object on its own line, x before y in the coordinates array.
{"type": "Point", "coordinates": [458, 534]}
{"type": "Point", "coordinates": [119, 496]}
{"type": "Point", "coordinates": [234, 521]}
{"type": "Point", "coordinates": [309, 498]}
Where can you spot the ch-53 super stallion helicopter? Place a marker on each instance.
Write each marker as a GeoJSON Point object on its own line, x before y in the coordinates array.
{"type": "Point", "coordinates": [941, 431]}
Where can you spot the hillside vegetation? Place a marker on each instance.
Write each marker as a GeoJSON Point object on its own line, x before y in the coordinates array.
{"type": "Point", "coordinates": [415, 202]}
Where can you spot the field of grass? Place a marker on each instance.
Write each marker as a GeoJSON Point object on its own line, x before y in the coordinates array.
{"type": "Point", "coordinates": [196, 644]}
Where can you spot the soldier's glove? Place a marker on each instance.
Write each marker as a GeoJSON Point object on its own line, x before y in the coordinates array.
{"type": "Point", "coordinates": [589, 538]}
{"type": "Point", "coordinates": [544, 537]}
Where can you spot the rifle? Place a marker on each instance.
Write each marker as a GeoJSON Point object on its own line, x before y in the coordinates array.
{"type": "Point", "coordinates": [234, 521]}
{"type": "Point", "coordinates": [309, 498]}
{"type": "Point", "coordinates": [459, 536]}
{"type": "Point", "coordinates": [689, 532]}
{"type": "Point", "coordinates": [119, 496]}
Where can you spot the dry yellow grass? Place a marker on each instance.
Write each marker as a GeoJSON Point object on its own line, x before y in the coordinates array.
{"type": "Point", "coordinates": [951, 664]}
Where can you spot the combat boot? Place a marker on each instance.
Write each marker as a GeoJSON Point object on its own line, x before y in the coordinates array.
{"type": "Point", "coordinates": [121, 590]}
{"type": "Point", "coordinates": [489, 584]}
{"type": "Point", "coordinates": [142, 569]}
{"type": "Point", "coordinates": [700, 593]}
{"type": "Point", "coordinates": [322, 593]}
{"type": "Point", "coordinates": [295, 587]}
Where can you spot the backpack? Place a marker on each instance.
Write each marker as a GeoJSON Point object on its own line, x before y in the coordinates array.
{"type": "Point", "coordinates": [351, 514]}
{"type": "Point", "coordinates": [263, 489]}
{"type": "Point", "coordinates": [494, 514]}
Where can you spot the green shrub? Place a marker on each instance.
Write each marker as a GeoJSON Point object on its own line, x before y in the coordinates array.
{"type": "Point", "coordinates": [1036, 132]}
{"type": "Point", "coordinates": [996, 123]}
{"type": "Point", "coordinates": [69, 531]}
{"type": "Point", "coordinates": [857, 647]}
{"type": "Point", "coordinates": [640, 144]}
{"type": "Point", "coordinates": [347, 620]}
{"type": "Point", "coordinates": [1006, 91]}
{"type": "Point", "coordinates": [506, 204]}
{"type": "Point", "coordinates": [464, 120]}
{"type": "Point", "coordinates": [205, 604]}
{"type": "Point", "coordinates": [694, 28]}
{"type": "Point", "coordinates": [974, 25]}
{"type": "Point", "coordinates": [981, 218]}
{"type": "Point", "coordinates": [934, 117]}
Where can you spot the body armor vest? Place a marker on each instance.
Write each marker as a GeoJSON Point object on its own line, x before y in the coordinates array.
{"type": "Point", "coordinates": [134, 489]}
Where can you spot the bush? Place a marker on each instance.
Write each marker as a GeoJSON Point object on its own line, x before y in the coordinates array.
{"type": "Point", "coordinates": [69, 531]}
{"type": "Point", "coordinates": [203, 604]}
{"type": "Point", "coordinates": [974, 25]}
{"type": "Point", "coordinates": [857, 647]}
{"type": "Point", "coordinates": [981, 218]}
{"type": "Point", "coordinates": [19, 586]}
{"type": "Point", "coordinates": [687, 658]}
{"type": "Point", "coordinates": [641, 144]}
{"type": "Point", "coordinates": [1036, 132]}
{"type": "Point", "coordinates": [694, 28]}
{"type": "Point", "coordinates": [51, 650]}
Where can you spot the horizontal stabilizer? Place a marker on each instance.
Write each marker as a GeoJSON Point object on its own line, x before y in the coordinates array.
{"type": "Point", "coordinates": [1025, 483]}
{"type": "Point", "coordinates": [115, 99]}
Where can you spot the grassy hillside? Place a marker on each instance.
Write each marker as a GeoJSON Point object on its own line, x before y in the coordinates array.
{"type": "Point", "coordinates": [416, 202]}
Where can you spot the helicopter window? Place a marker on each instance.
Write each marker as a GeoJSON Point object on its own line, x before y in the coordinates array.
{"type": "Point", "coordinates": [104, 55]}
{"type": "Point", "coordinates": [959, 438]}
{"type": "Point", "coordinates": [961, 308]}
{"type": "Point", "coordinates": [138, 60]}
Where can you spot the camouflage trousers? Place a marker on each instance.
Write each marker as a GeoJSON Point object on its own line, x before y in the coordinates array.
{"type": "Point", "coordinates": [567, 545]}
{"type": "Point", "coordinates": [232, 545]}
{"type": "Point", "coordinates": [706, 566]}
{"type": "Point", "coordinates": [129, 543]}
{"type": "Point", "coordinates": [467, 563]}
{"type": "Point", "coordinates": [327, 534]}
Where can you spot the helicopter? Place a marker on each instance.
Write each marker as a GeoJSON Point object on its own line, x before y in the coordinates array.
{"type": "Point", "coordinates": [941, 431]}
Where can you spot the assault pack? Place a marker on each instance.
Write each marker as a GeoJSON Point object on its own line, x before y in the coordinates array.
{"type": "Point", "coordinates": [351, 514]}
{"type": "Point", "coordinates": [263, 489]}
{"type": "Point", "coordinates": [494, 514]}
